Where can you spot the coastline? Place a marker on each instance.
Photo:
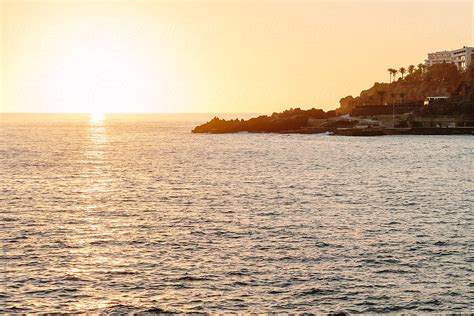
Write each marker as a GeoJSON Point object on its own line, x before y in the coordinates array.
{"type": "Point", "coordinates": [297, 121]}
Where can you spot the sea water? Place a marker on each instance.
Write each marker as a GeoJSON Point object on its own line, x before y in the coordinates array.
{"type": "Point", "coordinates": [137, 214]}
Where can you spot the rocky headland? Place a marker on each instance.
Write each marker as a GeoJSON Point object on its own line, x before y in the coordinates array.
{"type": "Point", "coordinates": [293, 120]}
{"type": "Point", "coordinates": [402, 106]}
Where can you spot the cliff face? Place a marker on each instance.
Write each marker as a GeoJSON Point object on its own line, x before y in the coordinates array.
{"type": "Point", "coordinates": [438, 80]}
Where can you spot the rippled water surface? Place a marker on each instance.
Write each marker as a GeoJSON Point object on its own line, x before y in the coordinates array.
{"type": "Point", "coordinates": [136, 214]}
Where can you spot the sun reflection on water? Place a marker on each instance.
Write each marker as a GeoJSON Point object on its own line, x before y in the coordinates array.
{"type": "Point", "coordinates": [96, 117]}
{"type": "Point", "coordinates": [88, 252]}
{"type": "Point", "coordinates": [97, 138]}
{"type": "Point", "coordinates": [96, 156]}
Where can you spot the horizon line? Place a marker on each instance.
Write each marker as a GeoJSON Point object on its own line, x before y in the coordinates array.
{"type": "Point", "coordinates": [127, 113]}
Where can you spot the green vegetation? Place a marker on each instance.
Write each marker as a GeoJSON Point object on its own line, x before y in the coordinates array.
{"type": "Point", "coordinates": [418, 83]}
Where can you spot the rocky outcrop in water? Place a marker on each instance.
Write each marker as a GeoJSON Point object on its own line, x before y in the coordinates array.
{"type": "Point", "coordinates": [293, 120]}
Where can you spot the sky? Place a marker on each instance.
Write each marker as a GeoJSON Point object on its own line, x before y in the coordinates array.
{"type": "Point", "coordinates": [212, 56]}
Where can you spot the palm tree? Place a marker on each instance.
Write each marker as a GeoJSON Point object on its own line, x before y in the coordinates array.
{"type": "Point", "coordinates": [394, 74]}
{"type": "Point", "coordinates": [402, 71]}
{"type": "Point", "coordinates": [392, 96]}
{"type": "Point", "coordinates": [390, 71]}
{"type": "Point", "coordinates": [411, 69]}
{"type": "Point", "coordinates": [421, 67]}
{"type": "Point", "coordinates": [381, 94]}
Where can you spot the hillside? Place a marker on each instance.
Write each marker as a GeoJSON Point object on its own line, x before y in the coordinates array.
{"type": "Point", "coordinates": [415, 86]}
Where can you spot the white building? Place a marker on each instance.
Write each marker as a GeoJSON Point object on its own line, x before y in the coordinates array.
{"type": "Point", "coordinates": [461, 57]}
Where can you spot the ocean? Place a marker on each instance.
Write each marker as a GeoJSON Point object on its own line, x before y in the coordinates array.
{"type": "Point", "coordinates": [135, 214]}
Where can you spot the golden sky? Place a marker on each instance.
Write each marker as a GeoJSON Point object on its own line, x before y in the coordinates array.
{"type": "Point", "coordinates": [212, 56]}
